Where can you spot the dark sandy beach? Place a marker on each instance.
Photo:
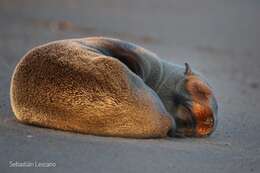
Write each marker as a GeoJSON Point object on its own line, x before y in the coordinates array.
{"type": "Point", "coordinates": [219, 38]}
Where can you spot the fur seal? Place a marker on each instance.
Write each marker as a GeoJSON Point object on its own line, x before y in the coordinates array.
{"type": "Point", "coordinates": [109, 87]}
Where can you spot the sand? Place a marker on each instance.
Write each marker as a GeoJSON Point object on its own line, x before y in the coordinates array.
{"type": "Point", "coordinates": [219, 38]}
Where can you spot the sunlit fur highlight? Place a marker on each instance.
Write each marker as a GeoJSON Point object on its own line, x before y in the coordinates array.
{"type": "Point", "coordinates": [64, 86]}
{"type": "Point", "coordinates": [201, 109]}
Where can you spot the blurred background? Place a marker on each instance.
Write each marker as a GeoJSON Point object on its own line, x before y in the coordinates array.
{"type": "Point", "coordinates": [220, 38]}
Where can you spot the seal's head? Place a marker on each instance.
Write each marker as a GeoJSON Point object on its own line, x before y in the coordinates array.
{"type": "Point", "coordinates": [196, 106]}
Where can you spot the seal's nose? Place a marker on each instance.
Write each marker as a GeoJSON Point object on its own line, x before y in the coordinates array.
{"type": "Point", "coordinates": [204, 119]}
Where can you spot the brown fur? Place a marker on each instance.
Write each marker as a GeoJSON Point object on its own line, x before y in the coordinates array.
{"type": "Point", "coordinates": [64, 86]}
{"type": "Point", "coordinates": [201, 110]}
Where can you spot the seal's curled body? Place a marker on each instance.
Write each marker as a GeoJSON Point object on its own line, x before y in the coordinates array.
{"type": "Point", "coordinates": [104, 86]}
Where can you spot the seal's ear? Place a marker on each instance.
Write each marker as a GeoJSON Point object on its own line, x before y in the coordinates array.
{"type": "Point", "coordinates": [187, 69]}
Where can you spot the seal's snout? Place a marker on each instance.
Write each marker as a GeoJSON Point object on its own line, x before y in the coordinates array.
{"type": "Point", "coordinates": [203, 106]}
{"type": "Point", "coordinates": [195, 106]}
{"type": "Point", "coordinates": [204, 119]}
